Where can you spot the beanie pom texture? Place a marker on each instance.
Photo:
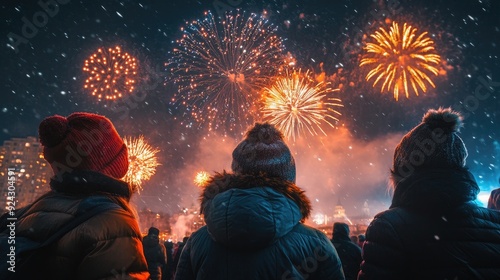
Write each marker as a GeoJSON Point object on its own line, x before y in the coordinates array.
{"type": "Point", "coordinates": [446, 119]}
{"type": "Point", "coordinates": [434, 143]}
{"type": "Point", "coordinates": [264, 132]}
{"type": "Point", "coordinates": [52, 130]}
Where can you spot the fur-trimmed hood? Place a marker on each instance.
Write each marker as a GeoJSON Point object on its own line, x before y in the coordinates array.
{"type": "Point", "coordinates": [251, 211]}
{"type": "Point", "coordinates": [224, 181]}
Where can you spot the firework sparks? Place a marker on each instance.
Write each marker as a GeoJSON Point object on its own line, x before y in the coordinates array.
{"type": "Point", "coordinates": [220, 68]}
{"type": "Point", "coordinates": [320, 219]}
{"type": "Point", "coordinates": [296, 103]}
{"type": "Point", "coordinates": [142, 161]}
{"type": "Point", "coordinates": [201, 178]}
{"type": "Point", "coordinates": [111, 73]}
{"type": "Point", "coordinates": [400, 59]}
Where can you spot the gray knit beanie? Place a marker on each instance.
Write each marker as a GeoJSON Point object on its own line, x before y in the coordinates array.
{"type": "Point", "coordinates": [264, 151]}
{"type": "Point", "coordinates": [434, 143]}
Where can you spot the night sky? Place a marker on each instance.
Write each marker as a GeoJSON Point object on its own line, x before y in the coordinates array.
{"type": "Point", "coordinates": [43, 76]}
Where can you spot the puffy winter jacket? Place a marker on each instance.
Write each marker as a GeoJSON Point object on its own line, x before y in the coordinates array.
{"type": "Point", "coordinates": [254, 231]}
{"type": "Point", "coordinates": [433, 230]}
{"type": "Point", "coordinates": [107, 246]}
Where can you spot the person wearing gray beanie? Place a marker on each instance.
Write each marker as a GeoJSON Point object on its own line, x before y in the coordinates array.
{"type": "Point", "coordinates": [434, 143]}
{"type": "Point", "coordinates": [263, 150]}
{"type": "Point", "coordinates": [254, 220]}
{"type": "Point", "coordinates": [433, 228]}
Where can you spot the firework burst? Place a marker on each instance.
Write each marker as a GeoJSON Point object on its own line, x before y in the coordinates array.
{"type": "Point", "coordinates": [320, 219]}
{"type": "Point", "coordinates": [401, 60]}
{"type": "Point", "coordinates": [296, 103]}
{"type": "Point", "coordinates": [219, 68]}
{"type": "Point", "coordinates": [201, 178]}
{"type": "Point", "coordinates": [142, 161]}
{"type": "Point", "coordinates": [111, 73]}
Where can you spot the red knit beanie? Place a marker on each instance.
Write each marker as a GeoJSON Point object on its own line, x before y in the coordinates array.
{"type": "Point", "coordinates": [83, 141]}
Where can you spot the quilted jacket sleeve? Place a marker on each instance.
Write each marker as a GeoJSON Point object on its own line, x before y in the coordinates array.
{"type": "Point", "coordinates": [184, 269]}
{"type": "Point", "coordinates": [114, 247]}
{"type": "Point", "coordinates": [331, 268]}
{"type": "Point", "coordinates": [383, 256]}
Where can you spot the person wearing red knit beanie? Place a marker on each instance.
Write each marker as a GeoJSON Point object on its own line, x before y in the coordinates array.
{"type": "Point", "coordinates": [83, 141]}
{"type": "Point", "coordinates": [88, 158]}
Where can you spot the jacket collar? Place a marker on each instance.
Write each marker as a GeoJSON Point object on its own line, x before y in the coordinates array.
{"type": "Point", "coordinates": [437, 188]}
{"type": "Point", "coordinates": [90, 182]}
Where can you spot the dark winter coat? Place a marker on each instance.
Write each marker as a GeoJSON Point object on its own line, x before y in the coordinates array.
{"type": "Point", "coordinates": [177, 255]}
{"type": "Point", "coordinates": [104, 247]}
{"type": "Point", "coordinates": [156, 256]}
{"type": "Point", "coordinates": [254, 231]}
{"type": "Point", "coordinates": [349, 253]}
{"type": "Point", "coordinates": [169, 245]}
{"type": "Point", "coordinates": [494, 200]}
{"type": "Point", "coordinates": [433, 230]}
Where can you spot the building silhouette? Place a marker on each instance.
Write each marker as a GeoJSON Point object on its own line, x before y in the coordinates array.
{"type": "Point", "coordinates": [23, 171]}
{"type": "Point", "coordinates": [357, 224]}
{"type": "Point", "coordinates": [339, 214]}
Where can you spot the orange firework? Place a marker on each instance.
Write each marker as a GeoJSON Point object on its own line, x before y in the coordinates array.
{"type": "Point", "coordinates": [201, 178]}
{"type": "Point", "coordinates": [111, 73]}
{"type": "Point", "coordinates": [400, 58]}
{"type": "Point", "coordinates": [142, 161]}
{"type": "Point", "coordinates": [296, 103]}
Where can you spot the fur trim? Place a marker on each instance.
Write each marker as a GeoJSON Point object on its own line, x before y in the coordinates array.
{"type": "Point", "coordinates": [224, 181]}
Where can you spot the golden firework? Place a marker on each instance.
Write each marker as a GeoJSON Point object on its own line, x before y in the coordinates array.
{"type": "Point", "coordinates": [296, 103]}
{"type": "Point", "coordinates": [111, 73]}
{"type": "Point", "coordinates": [142, 161]}
{"type": "Point", "coordinates": [400, 58]}
{"type": "Point", "coordinates": [201, 178]}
